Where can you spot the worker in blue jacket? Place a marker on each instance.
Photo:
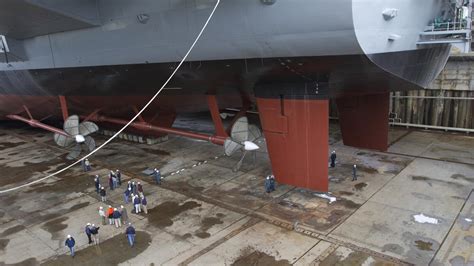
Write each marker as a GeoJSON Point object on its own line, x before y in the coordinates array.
{"type": "Point", "coordinates": [116, 215]}
{"type": "Point", "coordinates": [70, 243]}
{"type": "Point", "coordinates": [130, 232]}
{"type": "Point", "coordinates": [88, 232]}
{"type": "Point", "coordinates": [267, 185]}
{"type": "Point", "coordinates": [157, 176]}
{"type": "Point", "coordinates": [126, 194]}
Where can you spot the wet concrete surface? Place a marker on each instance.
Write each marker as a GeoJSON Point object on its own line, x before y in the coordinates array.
{"type": "Point", "coordinates": [112, 251]}
{"type": "Point", "coordinates": [199, 214]}
{"type": "Point", "coordinates": [259, 258]}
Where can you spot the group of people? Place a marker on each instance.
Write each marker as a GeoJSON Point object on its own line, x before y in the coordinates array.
{"type": "Point", "coordinates": [115, 180]}
{"type": "Point", "coordinates": [92, 233]}
{"type": "Point", "coordinates": [134, 194]}
{"type": "Point", "coordinates": [115, 216]}
{"type": "Point", "coordinates": [333, 164]}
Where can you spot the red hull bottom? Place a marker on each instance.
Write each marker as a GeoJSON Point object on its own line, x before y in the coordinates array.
{"type": "Point", "coordinates": [364, 121]}
{"type": "Point", "coordinates": [296, 132]}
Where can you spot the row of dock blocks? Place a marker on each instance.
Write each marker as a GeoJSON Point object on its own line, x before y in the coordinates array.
{"type": "Point", "coordinates": [134, 138]}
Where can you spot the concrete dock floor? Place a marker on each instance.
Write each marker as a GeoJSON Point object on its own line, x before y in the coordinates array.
{"type": "Point", "coordinates": [209, 215]}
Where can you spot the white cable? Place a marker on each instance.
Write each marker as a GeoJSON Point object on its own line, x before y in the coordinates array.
{"type": "Point", "coordinates": [133, 119]}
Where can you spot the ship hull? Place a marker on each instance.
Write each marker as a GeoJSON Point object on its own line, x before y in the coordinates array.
{"type": "Point", "coordinates": [90, 88]}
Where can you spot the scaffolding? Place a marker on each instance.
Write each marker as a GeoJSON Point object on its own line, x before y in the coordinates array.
{"type": "Point", "coordinates": [453, 25]}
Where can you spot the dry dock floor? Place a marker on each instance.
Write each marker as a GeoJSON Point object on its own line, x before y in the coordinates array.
{"type": "Point", "coordinates": [209, 215]}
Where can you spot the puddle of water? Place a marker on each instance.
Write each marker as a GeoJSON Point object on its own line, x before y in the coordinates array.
{"type": "Point", "coordinates": [259, 258]}
{"type": "Point", "coordinates": [79, 206]}
{"type": "Point", "coordinates": [360, 186]}
{"type": "Point", "coordinates": [12, 230]}
{"type": "Point", "coordinates": [423, 245]}
{"type": "Point", "coordinates": [162, 215]}
{"type": "Point", "coordinates": [206, 224]}
{"type": "Point", "coordinates": [463, 177]}
{"type": "Point", "coordinates": [55, 227]}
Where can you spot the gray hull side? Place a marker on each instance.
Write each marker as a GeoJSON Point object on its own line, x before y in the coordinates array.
{"type": "Point", "coordinates": [240, 29]}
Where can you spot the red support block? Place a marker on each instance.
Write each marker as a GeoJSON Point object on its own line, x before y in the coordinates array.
{"type": "Point", "coordinates": [296, 132]}
{"type": "Point", "coordinates": [364, 120]}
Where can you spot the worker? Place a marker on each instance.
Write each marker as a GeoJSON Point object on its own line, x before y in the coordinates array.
{"type": "Point", "coordinates": [267, 185]}
{"type": "Point", "coordinates": [110, 215]}
{"type": "Point", "coordinates": [70, 243]}
{"type": "Point", "coordinates": [140, 189]}
{"type": "Point", "coordinates": [137, 203]}
{"type": "Point", "coordinates": [123, 214]}
{"type": "Point", "coordinates": [144, 203]}
{"type": "Point", "coordinates": [103, 194]}
{"type": "Point", "coordinates": [119, 177]}
{"type": "Point", "coordinates": [333, 159]}
{"type": "Point", "coordinates": [354, 173]}
{"type": "Point", "coordinates": [111, 182]}
{"type": "Point", "coordinates": [126, 194]}
{"type": "Point", "coordinates": [130, 232]}
{"type": "Point", "coordinates": [129, 184]}
{"type": "Point", "coordinates": [95, 233]}
{"type": "Point", "coordinates": [87, 165]}
{"type": "Point", "coordinates": [88, 232]}
{"type": "Point", "coordinates": [97, 183]}
{"type": "Point", "coordinates": [157, 176]}
{"type": "Point", "coordinates": [134, 188]}
{"type": "Point", "coordinates": [272, 183]}
{"type": "Point", "coordinates": [114, 182]}
{"type": "Point", "coordinates": [117, 218]}
{"type": "Point", "coordinates": [102, 214]}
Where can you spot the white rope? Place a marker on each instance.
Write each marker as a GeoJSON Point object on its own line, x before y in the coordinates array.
{"type": "Point", "coordinates": [133, 119]}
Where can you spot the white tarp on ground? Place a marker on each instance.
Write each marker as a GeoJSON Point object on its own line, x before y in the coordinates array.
{"type": "Point", "coordinates": [422, 219]}
{"type": "Point", "coordinates": [326, 196]}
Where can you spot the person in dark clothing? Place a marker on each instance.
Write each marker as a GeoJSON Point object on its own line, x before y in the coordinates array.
{"type": "Point", "coordinates": [144, 205]}
{"type": "Point", "coordinates": [97, 183]}
{"type": "Point", "coordinates": [88, 232]}
{"type": "Point", "coordinates": [117, 218]}
{"type": "Point", "coordinates": [70, 243]}
{"type": "Point", "coordinates": [137, 203]}
{"type": "Point", "coordinates": [119, 177]}
{"type": "Point", "coordinates": [333, 159]}
{"type": "Point", "coordinates": [95, 233]}
{"type": "Point", "coordinates": [126, 194]}
{"type": "Point", "coordinates": [134, 188]}
{"type": "Point", "coordinates": [130, 232]}
{"type": "Point", "coordinates": [354, 173]}
{"type": "Point", "coordinates": [129, 184]}
{"type": "Point", "coordinates": [124, 215]}
{"type": "Point", "coordinates": [103, 194]}
{"type": "Point", "coordinates": [157, 176]}
{"type": "Point", "coordinates": [272, 183]}
{"type": "Point", "coordinates": [111, 181]}
{"type": "Point", "coordinates": [140, 189]}
{"type": "Point", "coordinates": [267, 185]}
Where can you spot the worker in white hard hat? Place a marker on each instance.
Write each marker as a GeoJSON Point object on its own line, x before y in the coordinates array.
{"type": "Point", "coordinates": [333, 159]}
{"type": "Point", "coordinates": [88, 232]}
{"type": "Point", "coordinates": [95, 233]}
{"type": "Point", "coordinates": [267, 185]}
{"type": "Point", "coordinates": [354, 173]}
{"type": "Point", "coordinates": [102, 215]}
{"type": "Point", "coordinates": [70, 243]}
{"type": "Point", "coordinates": [118, 174]}
{"type": "Point", "coordinates": [157, 176]}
